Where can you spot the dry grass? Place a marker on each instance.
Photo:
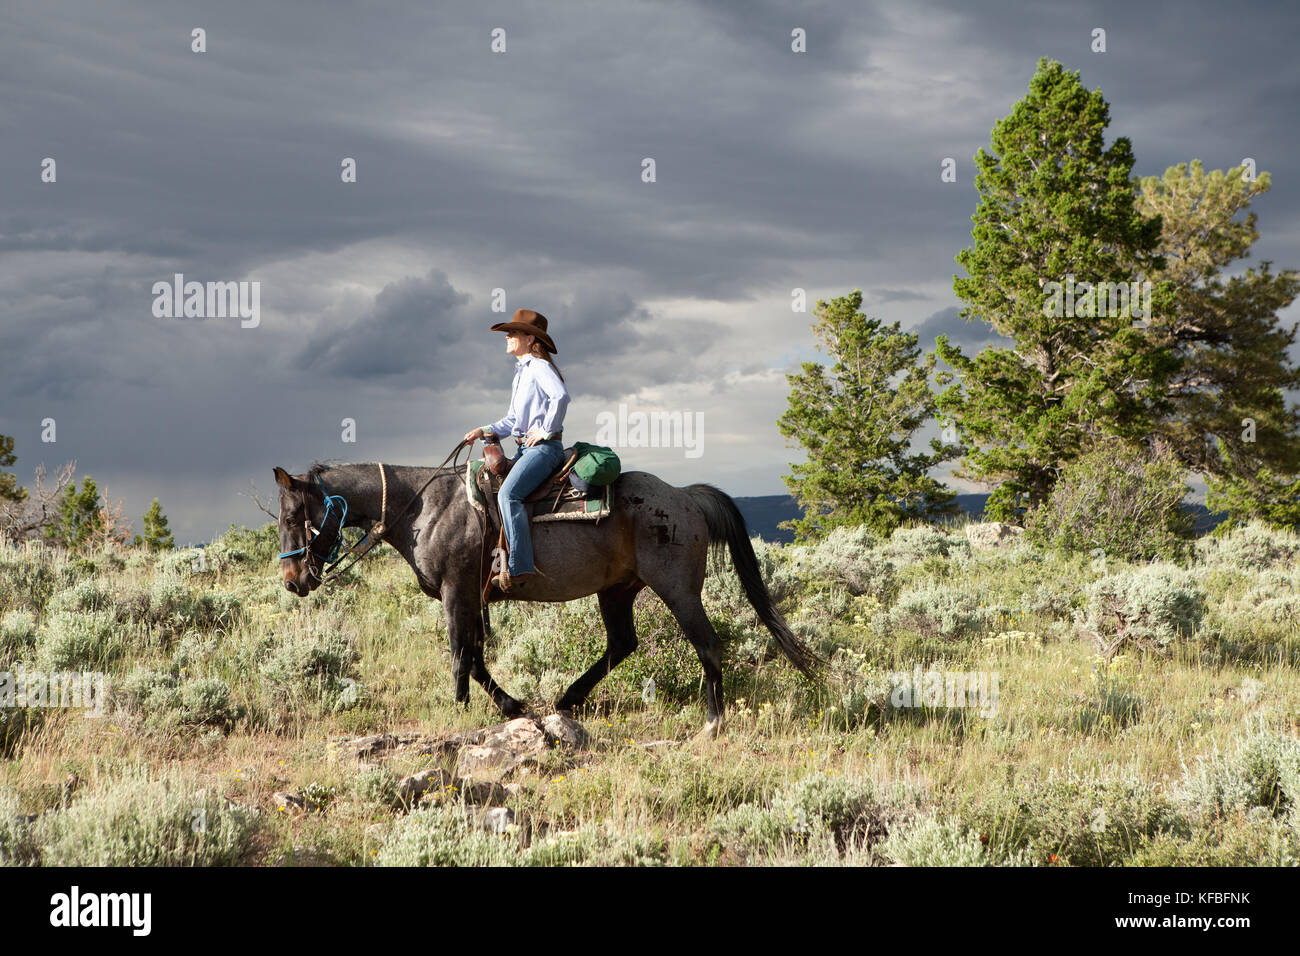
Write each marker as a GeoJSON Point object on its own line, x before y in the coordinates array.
{"type": "Point", "coordinates": [1062, 709]}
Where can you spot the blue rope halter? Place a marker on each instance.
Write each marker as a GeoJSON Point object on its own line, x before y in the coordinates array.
{"type": "Point", "coordinates": [329, 512]}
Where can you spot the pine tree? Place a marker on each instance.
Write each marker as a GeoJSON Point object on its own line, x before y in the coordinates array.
{"type": "Point", "coordinates": [1264, 495]}
{"type": "Point", "coordinates": [857, 424]}
{"type": "Point", "coordinates": [1227, 416]}
{"type": "Point", "coordinates": [10, 490]}
{"type": "Point", "coordinates": [157, 536]}
{"type": "Point", "coordinates": [80, 519]}
{"type": "Point", "coordinates": [1056, 206]}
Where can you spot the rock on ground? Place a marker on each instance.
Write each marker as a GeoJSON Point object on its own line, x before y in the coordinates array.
{"type": "Point", "coordinates": [484, 757]}
{"type": "Point", "coordinates": [494, 819]}
{"type": "Point", "coordinates": [378, 746]}
{"type": "Point", "coordinates": [561, 731]}
{"type": "Point", "coordinates": [410, 789]}
{"type": "Point", "coordinates": [514, 744]}
{"type": "Point", "coordinates": [284, 800]}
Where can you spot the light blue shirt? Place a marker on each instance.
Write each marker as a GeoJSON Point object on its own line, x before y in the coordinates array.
{"type": "Point", "coordinates": [537, 400]}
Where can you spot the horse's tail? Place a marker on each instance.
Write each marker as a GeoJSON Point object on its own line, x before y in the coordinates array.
{"type": "Point", "coordinates": [727, 525]}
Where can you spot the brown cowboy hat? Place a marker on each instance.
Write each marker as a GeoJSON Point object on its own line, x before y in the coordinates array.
{"type": "Point", "coordinates": [529, 323]}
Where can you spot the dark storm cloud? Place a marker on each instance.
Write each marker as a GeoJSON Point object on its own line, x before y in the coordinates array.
{"type": "Point", "coordinates": [410, 318]}
{"type": "Point", "coordinates": [522, 172]}
{"type": "Point", "coordinates": [897, 295]}
{"type": "Point", "coordinates": [960, 332]}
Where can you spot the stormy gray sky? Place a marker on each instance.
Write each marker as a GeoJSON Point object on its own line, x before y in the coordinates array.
{"type": "Point", "coordinates": [521, 171]}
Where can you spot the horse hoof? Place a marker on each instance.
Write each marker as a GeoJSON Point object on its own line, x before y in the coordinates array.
{"type": "Point", "coordinates": [711, 730]}
{"type": "Point", "coordinates": [512, 709]}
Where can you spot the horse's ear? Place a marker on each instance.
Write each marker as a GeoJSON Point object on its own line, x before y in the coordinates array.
{"type": "Point", "coordinates": [283, 478]}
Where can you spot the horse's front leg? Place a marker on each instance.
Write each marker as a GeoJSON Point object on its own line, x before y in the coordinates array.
{"type": "Point", "coordinates": [461, 658]}
{"type": "Point", "coordinates": [465, 629]}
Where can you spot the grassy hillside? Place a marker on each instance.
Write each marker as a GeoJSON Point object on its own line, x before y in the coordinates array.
{"type": "Point", "coordinates": [1144, 714]}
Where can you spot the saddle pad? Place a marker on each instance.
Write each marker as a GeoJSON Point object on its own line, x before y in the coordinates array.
{"type": "Point", "coordinates": [573, 505]}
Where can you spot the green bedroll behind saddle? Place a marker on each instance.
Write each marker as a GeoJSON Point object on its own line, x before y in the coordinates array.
{"type": "Point", "coordinates": [596, 464]}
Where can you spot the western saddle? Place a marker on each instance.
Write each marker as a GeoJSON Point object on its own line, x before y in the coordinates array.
{"type": "Point", "coordinates": [555, 497]}
{"type": "Point", "coordinates": [557, 483]}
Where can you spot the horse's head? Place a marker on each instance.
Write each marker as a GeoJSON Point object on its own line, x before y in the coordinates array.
{"type": "Point", "coordinates": [302, 515]}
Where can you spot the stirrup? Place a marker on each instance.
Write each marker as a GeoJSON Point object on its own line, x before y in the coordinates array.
{"type": "Point", "coordinates": [504, 580]}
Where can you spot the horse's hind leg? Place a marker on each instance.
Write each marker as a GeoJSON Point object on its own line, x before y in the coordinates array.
{"type": "Point", "coordinates": [620, 640]}
{"type": "Point", "coordinates": [690, 614]}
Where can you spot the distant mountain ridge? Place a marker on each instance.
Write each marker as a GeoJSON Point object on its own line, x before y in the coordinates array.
{"type": "Point", "coordinates": [764, 512]}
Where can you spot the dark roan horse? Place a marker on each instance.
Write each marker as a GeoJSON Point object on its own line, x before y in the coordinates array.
{"type": "Point", "coordinates": [656, 536]}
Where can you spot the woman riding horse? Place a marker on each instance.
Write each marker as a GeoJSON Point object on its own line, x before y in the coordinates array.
{"type": "Point", "coordinates": [535, 417]}
{"type": "Point", "coordinates": [656, 537]}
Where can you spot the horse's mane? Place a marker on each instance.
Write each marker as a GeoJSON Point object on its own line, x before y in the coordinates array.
{"type": "Point", "coordinates": [319, 467]}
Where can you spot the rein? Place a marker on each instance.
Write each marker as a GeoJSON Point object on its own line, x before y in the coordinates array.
{"type": "Point", "coordinates": [338, 513]}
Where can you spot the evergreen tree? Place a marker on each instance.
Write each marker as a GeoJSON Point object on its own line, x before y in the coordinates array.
{"type": "Point", "coordinates": [857, 422]}
{"type": "Point", "coordinates": [157, 536]}
{"type": "Point", "coordinates": [1263, 495]}
{"type": "Point", "coordinates": [80, 519]}
{"type": "Point", "coordinates": [10, 490]}
{"type": "Point", "coordinates": [1227, 415]}
{"type": "Point", "coordinates": [1056, 207]}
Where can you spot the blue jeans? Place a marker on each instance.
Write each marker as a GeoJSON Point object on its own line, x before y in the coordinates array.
{"type": "Point", "coordinates": [532, 466]}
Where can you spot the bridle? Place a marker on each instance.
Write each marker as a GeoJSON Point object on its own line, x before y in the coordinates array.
{"type": "Point", "coordinates": [323, 543]}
